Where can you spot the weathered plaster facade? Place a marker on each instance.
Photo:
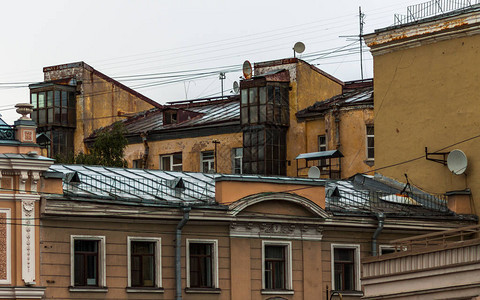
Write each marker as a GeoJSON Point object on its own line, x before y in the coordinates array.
{"type": "Point", "coordinates": [425, 96]}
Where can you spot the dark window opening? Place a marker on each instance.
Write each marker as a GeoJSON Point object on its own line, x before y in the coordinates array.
{"type": "Point", "coordinates": [86, 263]}
{"type": "Point", "coordinates": [275, 264]}
{"type": "Point", "coordinates": [142, 264]}
{"type": "Point", "coordinates": [344, 269]}
{"type": "Point", "coordinates": [201, 265]}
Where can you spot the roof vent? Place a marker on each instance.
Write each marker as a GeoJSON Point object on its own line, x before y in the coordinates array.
{"type": "Point", "coordinates": [72, 177]}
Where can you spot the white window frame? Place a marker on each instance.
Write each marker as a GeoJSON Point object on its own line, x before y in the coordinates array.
{"type": "Point", "coordinates": [8, 246]}
{"type": "Point", "coordinates": [214, 243]}
{"type": "Point", "coordinates": [288, 267]}
{"type": "Point", "coordinates": [135, 163]}
{"type": "Point", "coordinates": [102, 263]}
{"type": "Point", "coordinates": [172, 165]}
{"type": "Point", "coordinates": [158, 258]}
{"type": "Point", "coordinates": [356, 247]}
{"type": "Point", "coordinates": [211, 162]}
{"type": "Point", "coordinates": [366, 141]}
{"type": "Point", "coordinates": [234, 158]}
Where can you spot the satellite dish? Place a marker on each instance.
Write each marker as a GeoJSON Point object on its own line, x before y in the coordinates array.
{"type": "Point", "coordinates": [299, 47]}
{"type": "Point", "coordinates": [457, 162]}
{"type": "Point", "coordinates": [314, 172]}
{"type": "Point", "coordinates": [247, 69]}
{"type": "Point", "coordinates": [236, 88]}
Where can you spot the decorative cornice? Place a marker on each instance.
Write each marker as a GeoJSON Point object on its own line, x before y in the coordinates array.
{"type": "Point", "coordinates": [276, 231]}
{"type": "Point", "coordinates": [22, 292]}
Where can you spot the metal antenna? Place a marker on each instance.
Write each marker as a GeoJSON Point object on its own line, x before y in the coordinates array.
{"type": "Point", "coordinates": [361, 18]}
{"type": "Point", "coordinates": [222, 77]}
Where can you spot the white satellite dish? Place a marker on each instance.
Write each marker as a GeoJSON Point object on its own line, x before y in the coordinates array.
{"type": "Point", "coordinates": [236, 88]}
{"type": "Point", "coordinates": [314, 172]}
{"type": "Point", "coordinates": [299, 47]}
{"type": "Point", "coordinates": [457, 162]}
{"type": "Point", "coordinates": [247, 69]}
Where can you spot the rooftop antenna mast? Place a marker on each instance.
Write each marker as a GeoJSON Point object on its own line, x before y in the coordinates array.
{"type": "Point", "coordinates": [361, 19]}
{"type": "Point", "coordinates": [222, 77]}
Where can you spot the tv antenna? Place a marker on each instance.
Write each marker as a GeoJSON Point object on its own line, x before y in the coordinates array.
{"type": "Point", "coordinates": [361, 20]}
{"type": "Point", "coordinates": [222, 77]}
{"type": "Point", "coordinates": [299, 47]}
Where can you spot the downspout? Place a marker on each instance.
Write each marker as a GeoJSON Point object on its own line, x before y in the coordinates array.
{"type": "Point", "coordinates": [178, 252]}
{"type": "Point", "coordinates": [381, 219]}
{"type": "Point", "coordinates": [147, 149]}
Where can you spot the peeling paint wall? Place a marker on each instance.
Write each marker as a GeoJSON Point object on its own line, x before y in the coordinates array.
{"type": "Point", "coordinates": [427, 96]}
{"type": "Point", "coordinates": [98, 100]}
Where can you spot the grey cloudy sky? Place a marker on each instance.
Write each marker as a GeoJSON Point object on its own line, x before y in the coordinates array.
{"type": "Point", "coordinates": [124, 37]}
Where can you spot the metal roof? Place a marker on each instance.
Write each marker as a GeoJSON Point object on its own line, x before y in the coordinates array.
{"type": "Point", "coordinates": [362, 95]}
{"type": "Point", "coordinates": [207, 114]}
{"type": "Point", "coordinates": [136, 185]}
{"type": "Point", "coordinates": [320, 155]}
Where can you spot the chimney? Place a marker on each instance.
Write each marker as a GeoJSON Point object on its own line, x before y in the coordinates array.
{"type": "Point", "coordinates": [26, 129]}
{"type": "Point", "coordinates": [460, 202]}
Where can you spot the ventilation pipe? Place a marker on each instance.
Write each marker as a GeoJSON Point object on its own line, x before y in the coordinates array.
{"type": "Point", "coordinates": [381, 219]}
{"type": "Point", "coordinates": [178, 252]}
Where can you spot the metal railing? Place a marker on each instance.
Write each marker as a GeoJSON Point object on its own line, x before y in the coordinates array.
{"type": "Point", "coordinates": [372, 201]}
{"type": "Point", "coordinates": [431, 8]}
{"type": "Point", "coordinates": [138, 189]}
{"type": "Point", "coordinates": [7, 133]}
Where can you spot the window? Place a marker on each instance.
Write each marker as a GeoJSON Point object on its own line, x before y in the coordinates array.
{"type": "Point", "coordinates": [386, 249]}
{"type": "Point", "coordinates": [88, 261]}
{"type": "Point", "coordinates": [138, 163]}
{"type": "Point", "coordinates": [169, 117]}
{"type": "Point", "coordinates": [370, 143]}
{"type": "Point", "coordinates": [208, 162]}
{"type": "Point", "coordinates": [202, 263]}
{"type": "Point", "coordinates": [144, 262]}
{"type": "Point", "coordinates": [171, 162]}
{"type": "Point", "coordinates": [237, 156]}
{"type": "Point", "coordinates": [276, 265]}
{"type": "Point", "coordinates": [322, 146]}
{"type": "Point", "coordinates": [346, 267]}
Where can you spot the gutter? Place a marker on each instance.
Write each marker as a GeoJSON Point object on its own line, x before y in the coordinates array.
{"type": "Point", "coordinates": [381, 219]}
{"type": "Point", "coordinates": [178, 250]}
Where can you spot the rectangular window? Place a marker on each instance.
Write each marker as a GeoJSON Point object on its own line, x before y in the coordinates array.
{"type": "Point", "coordinates": [171, 162]}
{"type": "Point", "coordinates": [370, 143]}
{"type": "Point", "coordinates": [322, 146]}
{"type": "Point", "coordinates": [137, 163]}
{"type": "Point", "coordinates": [346, 267]}
{"type": "Point", "coordinates": [207, 162]}
{"type": "Point", "coordinates": [277, 265]}
{"type": "Point", "coordinates": [144, 262]}
{"type": "Point", "coordinates": [87, 261]}
{"type": "Point", "coordinates": [202, 263]}
{"type": "Point", "coordinates": [237, 156]}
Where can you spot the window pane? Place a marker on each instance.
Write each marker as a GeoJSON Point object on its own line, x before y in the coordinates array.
{"type": "Point", "coordinates": [42, 118]}
{"type": "Point", "coordinates": [253, 96]}
{"type": "Point", "coordinates": [50, 98]}
{"type": "Point", "coordinates": [41, 100]}
{"type": "Point", "coordinates": [34, 102]}
{"type": "Point", "coordinates": [165, 165]}
{"type": "Point", "coordinates": [64, 99]}
{"type": "Point", "coordinates": [244, 97]}
{"type": "Point", "coordinates": [71, 100]}
{"type": "Point", "coordinates": [263, 95]}
{"type": "Point", "coordinates": [177, 158]}
{"type": "Point", "coordinates": [254, 114]}
{"type": "Point", "coordinates": [58, 115]}
{"type": "Point", "coordinates": [50, 115]}
{"type": "Point", "coordinates": [57, 98]}
{"type": "Point", "coordinates": [79, 270]}
{"type": "Point", "coordinates": [201, 265]}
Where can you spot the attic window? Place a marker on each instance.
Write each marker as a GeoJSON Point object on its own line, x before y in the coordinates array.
{"type": "Point", "coordinates": [169, 117]}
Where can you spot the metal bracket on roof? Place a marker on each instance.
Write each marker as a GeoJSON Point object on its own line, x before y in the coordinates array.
{"type": "Point", "coordinates": [441, 161]}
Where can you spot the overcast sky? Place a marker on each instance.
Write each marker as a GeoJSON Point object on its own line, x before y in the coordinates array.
{"type": "Point", "coordinates": [124, 38]}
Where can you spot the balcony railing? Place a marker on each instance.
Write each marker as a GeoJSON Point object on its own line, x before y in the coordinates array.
{"type": "Point", "coordinates": [7, 133]}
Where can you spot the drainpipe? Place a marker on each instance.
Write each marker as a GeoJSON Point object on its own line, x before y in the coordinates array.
{"type": "Point", "coordinates": [147, 149]}
{"type": "Point", "coordinates": [178, 252]}
{"type": "Point", "coordinates": [381, 218]}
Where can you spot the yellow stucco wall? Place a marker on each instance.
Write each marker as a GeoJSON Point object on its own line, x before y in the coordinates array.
{"type": "Point", "coordinates": [426, 96]}
{"type": "Point", "coordinates": [309, 87]}
{"type": "Point", "coordinates": [98, 106]}
{"type": "Point", "coordinates": [191, 149]}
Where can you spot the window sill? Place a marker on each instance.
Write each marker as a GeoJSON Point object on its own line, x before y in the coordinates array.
{"type": "Point", "coordinates": [202, 291]}
{"type": "Point", "coordinates": [277, 292]}
{"type": "Point", "coordinates": [144, 290]}
{"type": "Point", "coordinates": [86, 289]}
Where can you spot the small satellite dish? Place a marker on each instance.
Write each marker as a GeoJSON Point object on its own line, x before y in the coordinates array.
{"type": "Point", "coordinates": [299, 47]}
{"type": "Point", "coordinates": [457, 162]}
{"type": "Point", "coordinates": [247, 69]}
{"type": "Point", "coordinates": [236, 88]}
{"type": "Point", "coordinates": [314, 172]}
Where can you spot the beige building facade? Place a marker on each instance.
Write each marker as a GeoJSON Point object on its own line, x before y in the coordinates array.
{"type": "Point", "coordinates": [425, 81]}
